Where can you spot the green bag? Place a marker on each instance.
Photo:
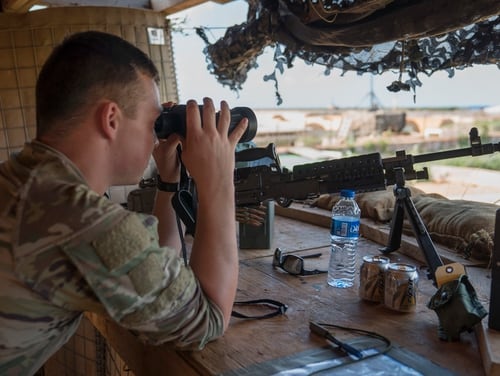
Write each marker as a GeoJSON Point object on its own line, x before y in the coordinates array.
{"type": "Point", "coordinates": [457, 307]}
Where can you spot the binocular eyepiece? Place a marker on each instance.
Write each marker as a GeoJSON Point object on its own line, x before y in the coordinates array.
{"type": "Point", "coordinates": [173, 120]}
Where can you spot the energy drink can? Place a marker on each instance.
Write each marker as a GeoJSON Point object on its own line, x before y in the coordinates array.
{"type": "Point", "coordinates": [371, 278]}
{"type": "Point", "coordinates": [401, 287]}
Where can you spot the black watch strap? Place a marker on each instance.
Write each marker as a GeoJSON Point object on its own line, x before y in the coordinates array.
{"type": "Point", "coordinates": [166, 187]}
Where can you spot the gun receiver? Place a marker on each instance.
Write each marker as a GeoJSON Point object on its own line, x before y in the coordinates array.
{"type": "Point", "coordinates": [257, 184]}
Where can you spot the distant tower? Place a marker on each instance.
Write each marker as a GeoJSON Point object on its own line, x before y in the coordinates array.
{"type": "Point", "coordinates": [374, 101]}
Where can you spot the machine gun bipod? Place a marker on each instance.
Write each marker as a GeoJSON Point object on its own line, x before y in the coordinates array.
{"type": "Point", "coordinates": [455, 302]}
{"type": "Point", "coordinates": [404, 201]}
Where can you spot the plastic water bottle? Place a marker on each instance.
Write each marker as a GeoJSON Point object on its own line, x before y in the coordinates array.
{"type": "Point", "coordinates": [344, 235]}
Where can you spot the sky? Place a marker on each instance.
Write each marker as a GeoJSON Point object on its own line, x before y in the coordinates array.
{"type": "Point", "coordinates": [306, 86]}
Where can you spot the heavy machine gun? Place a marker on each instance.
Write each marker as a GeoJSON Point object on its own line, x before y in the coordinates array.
{"type": "Point", "coordinates": [259, 182]}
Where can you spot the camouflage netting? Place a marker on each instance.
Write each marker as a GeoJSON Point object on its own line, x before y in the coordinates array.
{"type": "Point", "coordinates": [365, 36]}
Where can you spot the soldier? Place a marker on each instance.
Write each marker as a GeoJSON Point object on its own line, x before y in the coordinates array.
{"type": "Point", "coordinates": [65, 248]}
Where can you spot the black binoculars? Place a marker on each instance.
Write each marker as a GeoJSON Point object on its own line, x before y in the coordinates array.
{"type": "Point", "coordinates": [173, 120]}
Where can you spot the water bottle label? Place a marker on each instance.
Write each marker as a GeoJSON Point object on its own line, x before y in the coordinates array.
{"type": "Point", "coordinates": [347, 229]}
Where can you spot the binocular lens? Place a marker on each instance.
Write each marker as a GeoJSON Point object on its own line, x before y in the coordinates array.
{"type": "Point", "coordinates": [173, 120]}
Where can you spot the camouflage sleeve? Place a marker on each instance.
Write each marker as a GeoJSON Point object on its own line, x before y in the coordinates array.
{"type": "Point", "coordinates": [147, 288]}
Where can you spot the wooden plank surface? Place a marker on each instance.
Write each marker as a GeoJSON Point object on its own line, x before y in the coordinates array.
{"type": "Point", "coordinates": [310, 298]}
{"type": "Point", "coordinates": [488, 339]}
{"type": "Point", "coordinates": [489, 344]}
{"type": "Point", "coordinates": [379, 234]}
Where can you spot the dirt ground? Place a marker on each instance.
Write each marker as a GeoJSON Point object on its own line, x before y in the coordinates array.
{"type": "Point", "coordinates": [462, 183]}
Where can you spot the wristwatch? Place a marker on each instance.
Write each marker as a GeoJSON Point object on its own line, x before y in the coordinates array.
{"type": "Point", "coordinates": [166, 187]}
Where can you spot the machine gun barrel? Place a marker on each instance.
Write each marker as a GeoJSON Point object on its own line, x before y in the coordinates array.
{"type": "Point", "coordinates": [476, 148]}
{"type": "Point", "coordinates": [407, 161]}
{"type": "Point", "coordinates": [465, 152]}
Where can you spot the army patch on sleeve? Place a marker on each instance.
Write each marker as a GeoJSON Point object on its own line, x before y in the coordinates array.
{"type": "Point", "coordinates": [125, 241]}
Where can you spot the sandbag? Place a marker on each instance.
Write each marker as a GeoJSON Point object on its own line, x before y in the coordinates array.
{"type": "Point", "coordinates": [466, 227]}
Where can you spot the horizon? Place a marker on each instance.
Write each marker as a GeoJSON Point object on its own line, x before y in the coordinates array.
{"type": "Point", "coordinates": [443, 108]}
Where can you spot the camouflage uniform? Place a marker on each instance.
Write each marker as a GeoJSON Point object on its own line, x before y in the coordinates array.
{"type": "Point", "coordinates": [65, 249]}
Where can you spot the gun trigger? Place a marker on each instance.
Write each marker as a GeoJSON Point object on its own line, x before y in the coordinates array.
{"type": "Point", "coordinates": [449, 272]}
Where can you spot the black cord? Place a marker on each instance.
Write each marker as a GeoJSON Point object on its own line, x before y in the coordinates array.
{"type": "Point", "coordinates": [184, 183]}
{"type": "Point", "coordinates": [279, 308]}
{"type": "Point", "coordinates": [183, 242]}
{"type": "Point", "coordinates": [386, 349]}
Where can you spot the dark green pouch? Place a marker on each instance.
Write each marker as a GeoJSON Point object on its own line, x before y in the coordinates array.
{"type": "Point", "coordinates": [457, 307]}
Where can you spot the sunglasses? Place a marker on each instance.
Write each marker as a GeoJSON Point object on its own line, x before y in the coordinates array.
{"type": "Point", "coordinates": [294, 264]}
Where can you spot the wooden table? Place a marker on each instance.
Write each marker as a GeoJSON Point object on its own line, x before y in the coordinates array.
{"type": "Point", "coordinates": [308, 298]}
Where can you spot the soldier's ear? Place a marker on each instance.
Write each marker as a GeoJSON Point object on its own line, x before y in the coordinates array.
{"type": "Point", "coordinates": [109, 116]}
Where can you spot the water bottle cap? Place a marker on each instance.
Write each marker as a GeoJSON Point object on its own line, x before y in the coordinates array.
{"type": "Point", "coordinates": [347, 193]}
